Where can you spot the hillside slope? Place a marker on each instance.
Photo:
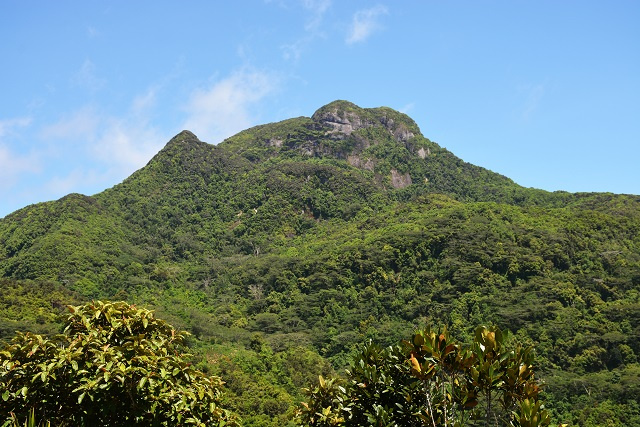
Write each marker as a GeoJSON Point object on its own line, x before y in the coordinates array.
{"type": "Point", "coordinates": [288, 244]}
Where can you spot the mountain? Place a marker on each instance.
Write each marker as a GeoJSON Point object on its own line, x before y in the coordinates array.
{"type": "Point", "coordinates": [287, 245]}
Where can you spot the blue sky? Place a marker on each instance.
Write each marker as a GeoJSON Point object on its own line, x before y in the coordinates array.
{"type": "Point", "coordinates": [545, 92]}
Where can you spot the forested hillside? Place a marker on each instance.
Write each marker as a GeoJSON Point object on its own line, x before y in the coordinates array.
{"type": "Point", "coordinates": [287, 246]}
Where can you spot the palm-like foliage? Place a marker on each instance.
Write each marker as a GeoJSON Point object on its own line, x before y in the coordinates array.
{"type": "Point", "coordinates": [433, 381]}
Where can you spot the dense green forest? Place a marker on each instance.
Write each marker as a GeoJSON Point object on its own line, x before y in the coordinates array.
{"type": "Point", "coordinates": [287, 247]}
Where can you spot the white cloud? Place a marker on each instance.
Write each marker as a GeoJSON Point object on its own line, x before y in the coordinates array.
{"type": "Point", "coordinates": [109, 147]}
{"type": "Point", "coordinates": [89, 149]}
{"type": "Point", "coordinates": [7, 125]}
{"type": "Point", "coordinates": [73, 182]}
{"type": "Point", "coordinates": [143, 103]}
{"type": "Point", "coordinates": [12, 163]}
{"type": "Point", "coordinates": [101, 157]}
{"type": "Point", "coordinates": [86, 77]}
{"type": "Point", "coordinates": [293, 51]}
{"type": "Point", "coordinates": [225, 108]}
{"type": "Point", "coordinates": [317, 8]}
{"type": "Point", "coordinates": [81, 124]}
{"type": "Point", "coordinates": [365, 23]}
{"type": "Point", "coordinates": [126, 145]}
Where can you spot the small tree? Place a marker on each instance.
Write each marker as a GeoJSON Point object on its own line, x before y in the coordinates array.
{"type": "Point", "coordinates": [432, 381]}
{"type": "Point", "coordinates": [114, 365]}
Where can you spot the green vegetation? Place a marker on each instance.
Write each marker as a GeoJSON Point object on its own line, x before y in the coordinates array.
{"type": "Point", "coordinates": [433, 381]}
{"type": "Point", "coordinates": [114, 365]}
{"type": "Point", "coordinates": [288, 245]}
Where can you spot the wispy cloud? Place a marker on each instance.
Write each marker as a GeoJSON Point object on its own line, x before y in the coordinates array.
{"type": "Point", "coordinates": [365, 23]}
{"type": "Point", "coordinates": [126, 145]}
{"type": "Point", "coordinates": [293, 51]}
{"type": "Point", "coordinates": [114, 146]}
{"type": "Point", "coordinates": [92, 32]}
{"type": "Point", "coordinates": [315, 10]}
{"type": "Point", "coordinates": [8, 125]}
{"type": "Point", "coordinates": [81, 124]}
{"type": "Point", "coordinates": [87, 77]}
{"type": "Point", "coordinates": [145, 102]}
{"type": "Point", "coordinates": [74, 181]}
{"type": "Point", "coordinates": [89, 148]}
{"type": "Point", "coordinates": [12, 163]}
{"type": "Point", "coordinates": [84, 151]}
{"type": "Point", "coordinates": [225, 108]}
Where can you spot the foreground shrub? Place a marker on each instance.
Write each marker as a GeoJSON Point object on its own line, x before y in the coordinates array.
{"type": "Point", "coordinates": [114, 365]}
{"type": "Point", "coordinates": [432, 381]}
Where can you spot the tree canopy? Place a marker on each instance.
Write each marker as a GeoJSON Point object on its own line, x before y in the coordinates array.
{"type": "Point", "coordinates": [114, 365]}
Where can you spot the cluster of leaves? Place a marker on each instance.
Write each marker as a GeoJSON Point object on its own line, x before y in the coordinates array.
{"type": "Point", "coordinates": [432, 381]}
{"type": "Point", "coordinates": [114, 365]}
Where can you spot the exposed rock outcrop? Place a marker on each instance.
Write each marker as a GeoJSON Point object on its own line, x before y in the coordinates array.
{"type": "Point", "coordinates": [356, 161]}
{"type": "Point", "coordinates": [343, 117]}
{"type": "Point", "coordinates": [423, 153]}
{"type": "Point", "coordinates": [398, 180]}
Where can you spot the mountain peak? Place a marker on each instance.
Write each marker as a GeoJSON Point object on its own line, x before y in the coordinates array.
{"type": "Point", "coordinates": [184, 136]}
{"type": "Point", "coordinates": [183, 142]}
{"type": "Point", "coordinates": [338, 108]}
{"type": "Point", "coordinates": [184, 146]}
{"type": "Point", "coordinates": [384, 143]}
{"type": "Point", "coordinates": [346, 117]}
{"type": "Point", "coordinates": [343, 117]}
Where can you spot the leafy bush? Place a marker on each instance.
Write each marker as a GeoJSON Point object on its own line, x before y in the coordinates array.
{"type": "Point", "coordinates": [115, 364]}
{"type": "Point", "coordinates": [432, 381]}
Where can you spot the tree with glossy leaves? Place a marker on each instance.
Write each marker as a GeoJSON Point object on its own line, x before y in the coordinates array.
{"type": "Point", "coordinates": [114, 365]}
{"type": "Point", "coordinates": [432, 380]}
